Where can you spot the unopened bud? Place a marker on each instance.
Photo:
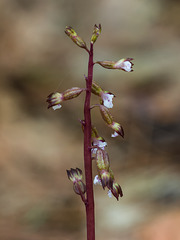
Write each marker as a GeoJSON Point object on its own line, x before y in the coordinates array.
{"type": "Point", "coordinates": [75, 175]}
{"type": "Point", "coordinates": [124, 64]}
{"type": "Point", "coordinates": [106, 114]}
{"type": "Point", "coordinates": [72, 93]}
{"type": "Point", "coordinates": [96, 33]}
{"type": "Point", "coordinates": [75, 38]}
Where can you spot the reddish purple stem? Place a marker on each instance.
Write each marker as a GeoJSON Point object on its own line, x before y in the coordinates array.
{"type": "Point", "coordinates": [90, 219]}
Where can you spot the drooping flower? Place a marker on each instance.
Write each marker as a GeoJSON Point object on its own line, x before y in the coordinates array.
{"type": "Point", "coordinates": [54, 100]}
{"type": "Point", "coordinates": [124, 64]}
{"type": "Point", "coordinates": [117, 128]}
{"type": "Point", "coordinates": [105, 96]}
{"type": "Point", "coordinates": [116, 191]}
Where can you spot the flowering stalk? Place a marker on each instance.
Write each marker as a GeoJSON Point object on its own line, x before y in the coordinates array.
{"type": "Point", "coordinates": [90, 219]}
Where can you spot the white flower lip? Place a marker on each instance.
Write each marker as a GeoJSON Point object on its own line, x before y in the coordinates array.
{"type": "Point", "coordinates": [127, 66]}
{"type": "Point", "coordinates": [101, 144]}
{"type": "Point", "coordinates": [124, 64]}
{"type": "Point", "coordinates": [97, 180]}
{"type": "Point", "coordinates": [58, 106]}
{"type": "Point", "coordinates": [115, 134]}
{"type": "Point", "coordinates": [109, 193]}
{"type": "Point", "coordinates": [107, 99]}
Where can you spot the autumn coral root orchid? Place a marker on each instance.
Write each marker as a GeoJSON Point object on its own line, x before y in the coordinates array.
{"type": "Point", "coordinates": [94, 144]}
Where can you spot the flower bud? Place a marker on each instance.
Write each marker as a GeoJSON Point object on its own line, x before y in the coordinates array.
{"type": "Point", "coordinates": [54, 100]}
{"type": "Point", "coordinates": [116, 190]}
{"type": "Point", "coordinates": [75, 175]}
{"type": "Point", "coordinates": [96, 33]}
{"type": "Point", "coordinates": [117, 128]}
{"type": "Point", "coordinates": [72, 93]}
{"type": "Point", "coordinates": [106, 115]}
{"type": "Point", "coordinates": [75, 38]}
{"type": "Point", "coordinates": [124, 64]}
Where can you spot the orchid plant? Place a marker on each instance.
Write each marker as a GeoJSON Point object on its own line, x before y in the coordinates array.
{"type": "Point", "coordinates": [94, 145]}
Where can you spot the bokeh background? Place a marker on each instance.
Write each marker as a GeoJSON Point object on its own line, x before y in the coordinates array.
{"type": "Point", "coordinates": [37, 145]}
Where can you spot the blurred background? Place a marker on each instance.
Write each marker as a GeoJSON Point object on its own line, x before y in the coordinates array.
{"type": "Point", "coordinates": [37, 145]}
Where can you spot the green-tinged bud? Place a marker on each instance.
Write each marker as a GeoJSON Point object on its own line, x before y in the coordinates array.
{"type": "Point", "coordinates": [106, 115]}
{"type": "Point", "coordinates": [116, 190]}
{"type": "Point", "coordinates": [72, 93]}
{"type": "Point", "coordinates": [75, 38]}
{"type": "Point", "coordinates": [94, 132]}
{"type": "Point", "coordinates": [75, 175]}
{"type": "Point", "coordinates": [96, 33]}
{"type": "Point", "coordinates": [117, 128]}
{"type": "Point", "coordinates": [102, 160]}
{"type": "Point", "coordinates": [96, 89]}
{"type": "Point", "coordinates": [124, 64]}
{"type": "Point", "coordinates": [105, 178]}
{"type": "Point", "coordinates": [54, 100]}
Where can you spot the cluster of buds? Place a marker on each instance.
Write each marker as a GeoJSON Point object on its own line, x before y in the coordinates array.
{"type": "Point", "coordinates": [105, 175]}
{"type": "Point", "coordinates": [75, 175]}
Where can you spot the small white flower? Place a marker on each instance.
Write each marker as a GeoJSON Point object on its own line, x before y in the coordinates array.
{"type": "Point", "coordinates": [109, 193]}
{"type": "Point", "coordinates": [107, 99]}
{"type": "Point", "coordinates": [97, 180]}
{"type": "Point", "coordinates": [55, 107]}
{"type": "Point", "coordinates": [101, 144]}
{"type": "Point", "coordinates": [115, 134]}
{"type": "Point", "coordinates": [124, 64]}
{"type": "Point", "coordinates": [127, 66]}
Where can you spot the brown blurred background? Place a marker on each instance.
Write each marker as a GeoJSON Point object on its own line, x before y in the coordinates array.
{"type": "Point", "coordinates": [38, 145]}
